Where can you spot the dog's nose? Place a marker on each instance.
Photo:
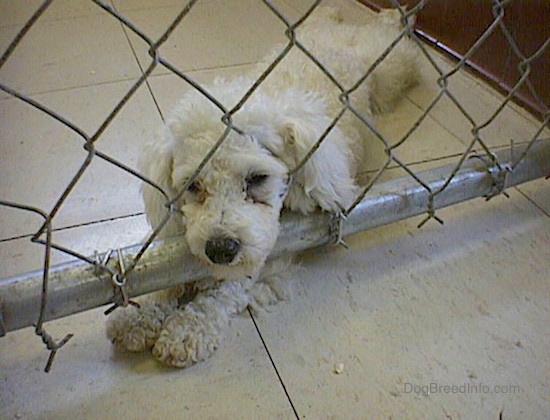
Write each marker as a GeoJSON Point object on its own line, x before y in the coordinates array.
{"type": "Point", "coordinates": [222, 250]}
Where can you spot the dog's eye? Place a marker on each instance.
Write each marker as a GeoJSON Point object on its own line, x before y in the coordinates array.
{"type": "Point", "coordinates": [255, 180]}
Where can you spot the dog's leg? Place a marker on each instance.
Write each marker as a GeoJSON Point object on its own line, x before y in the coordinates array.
{"type": "Point", "coordinates": [274, 284]}
{"type": "Point", "coordinates": [191, 334]}
{"type": "Point", "coordinates": [137, 328]}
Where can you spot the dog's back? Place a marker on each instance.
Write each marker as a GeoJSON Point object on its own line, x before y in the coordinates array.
{"type": "Point", "coordinates": [347, 51]}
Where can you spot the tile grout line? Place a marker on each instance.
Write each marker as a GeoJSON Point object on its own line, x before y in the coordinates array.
{"type": "Point", "coordinates": [69, 88]}
{"type": "Point", "coordinates": [78, 225]}
{"type": "Point", "coordinates": [532, 201]}
{"type": "Point", "coordinates": [264, 344]}
{"type": "Point", "coordinates": [152, 75]}
{"type": "Point", "coordinates": [157, 106]}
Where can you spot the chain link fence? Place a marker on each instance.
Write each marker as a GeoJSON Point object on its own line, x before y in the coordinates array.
{"type": "Point", "coordinates": [115, 276]}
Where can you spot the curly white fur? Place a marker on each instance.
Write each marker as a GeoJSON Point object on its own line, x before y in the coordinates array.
{"type": "Point", "coordinates": [229, 215]}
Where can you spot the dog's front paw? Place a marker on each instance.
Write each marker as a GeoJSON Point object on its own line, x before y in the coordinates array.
{"type": "Point", "coordinates": [188, 337]}
{"type": "Point", "coordinates": [136, 329]}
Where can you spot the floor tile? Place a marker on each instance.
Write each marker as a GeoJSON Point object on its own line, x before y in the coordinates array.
{"type": "Point", "coordinates": [42, 156]}
{"type": "Point", "coordinates": [17, 13]}
{"type": "Point", "coordinates": [128, 5]}
{"type": "Point", "coordinates": [20, 256]}
{"type": "Point", "coordinates": [480, 102]}
{"type": "Point", "coordinates": [539, 192]}
{"type": "Point", "coordinates": [68, 53]}
{"type": "Point", "coordinates": [405, 306]}
{"type": "Point", "coordinates": [237, 383]}
{"type": "Point", "coordinates": [206, 38]}
{"type": "Point", "coordinates": [429, 141]}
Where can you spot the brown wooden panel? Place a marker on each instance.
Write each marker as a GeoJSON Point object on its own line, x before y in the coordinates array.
{"type": "Point", "coordinates": [457, 24]}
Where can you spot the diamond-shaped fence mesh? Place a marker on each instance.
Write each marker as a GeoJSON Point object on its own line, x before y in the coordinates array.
{"type": "Point", "coordinates": [479, 167]}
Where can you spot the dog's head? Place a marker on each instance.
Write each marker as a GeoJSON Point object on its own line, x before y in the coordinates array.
{"type": "Point", "coordinates": [231, 208]}
{"type": "Point", "coordinates": [229, 211]}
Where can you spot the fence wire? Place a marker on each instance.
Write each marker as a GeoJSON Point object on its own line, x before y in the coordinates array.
{"type": "Point", "coordinates": [120, 272]}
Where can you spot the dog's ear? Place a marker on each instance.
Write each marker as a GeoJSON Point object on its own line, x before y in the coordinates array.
{"type": "Point", "coordinates": [326, 179]}
{"type": "Point", "coordinates": [156, 164]}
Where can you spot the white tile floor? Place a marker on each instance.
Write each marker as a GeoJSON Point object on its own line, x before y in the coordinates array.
{"type": "Point", "coordinates": [462, 304]}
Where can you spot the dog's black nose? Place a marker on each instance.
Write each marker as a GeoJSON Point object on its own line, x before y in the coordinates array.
{"type": "Point", "coordinates": [222, 250]}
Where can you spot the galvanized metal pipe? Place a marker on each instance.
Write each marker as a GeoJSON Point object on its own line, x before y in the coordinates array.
{"type": "Point", "coordinates": [75, 287]}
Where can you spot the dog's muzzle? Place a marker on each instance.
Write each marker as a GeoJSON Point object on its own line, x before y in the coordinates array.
{"type": "Point", "coordinates": [222, 250]}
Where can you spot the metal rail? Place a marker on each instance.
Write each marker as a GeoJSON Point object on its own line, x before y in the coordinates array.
{"type": "Point", "coordinates": [76, 286]}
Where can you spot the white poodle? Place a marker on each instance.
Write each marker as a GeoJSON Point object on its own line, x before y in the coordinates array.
{"type": "Point", "coordinates": [229, 212]}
